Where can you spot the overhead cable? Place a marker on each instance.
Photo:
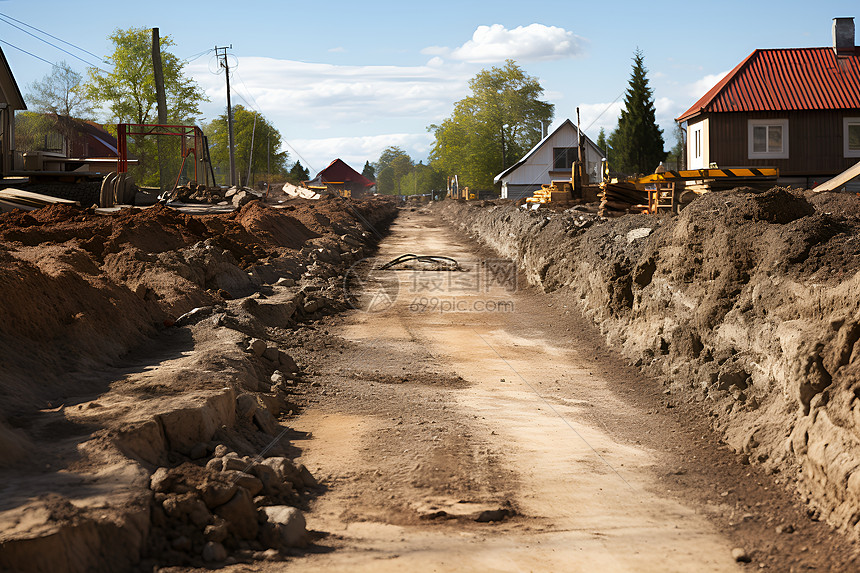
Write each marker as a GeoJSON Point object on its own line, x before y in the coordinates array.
{"type": "Point", "coordinates": [54, 37]}
{"type": "Point", "coordinates": [53, 45]}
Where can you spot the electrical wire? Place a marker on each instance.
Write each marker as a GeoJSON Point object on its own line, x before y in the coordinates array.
{"type": "Point", "coordinates": [54, 45]}
{"type": "Point", "coordinates": [26, 52]}
{"type": "Point", "coordinates": [190, 59]}
{"type": "Point", "coordinates": [54, 37]}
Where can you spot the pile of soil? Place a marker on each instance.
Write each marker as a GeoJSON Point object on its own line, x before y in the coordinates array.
{"type": "Point", "coordinates": [745, 302]}
{"type": "Point", "coordinates": [135, 344]}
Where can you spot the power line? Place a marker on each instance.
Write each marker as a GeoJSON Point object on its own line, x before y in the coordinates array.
{"type": "Point", "coordinates": [52, 36]}
{"type": "Point", "coordinates": [53, 45]}
{"type": "Point", "coordinates": [190, 59]}
{"type": "Point", "coordinates": [28, 53]}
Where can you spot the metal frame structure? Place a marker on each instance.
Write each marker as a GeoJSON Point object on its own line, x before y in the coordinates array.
{"type": "Point", "coordinates": [186, 132]}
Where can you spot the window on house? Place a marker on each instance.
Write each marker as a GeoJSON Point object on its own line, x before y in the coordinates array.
{"type": "Point", "coordinates": [851, 136]}
{"type": "Point", "coordinates": [563, 157]}
{"type": "Point", "coordinates": [697, 144]}
{"type": "Point", "coordinates": [768, 138]}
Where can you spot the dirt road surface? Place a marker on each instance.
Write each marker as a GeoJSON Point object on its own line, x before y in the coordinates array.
{"type": "Point", "coordinates": [462, 421]}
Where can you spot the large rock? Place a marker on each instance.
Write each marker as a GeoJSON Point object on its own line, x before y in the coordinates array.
{"type": "Point", "coordinates": [268, 477]}
{"type": "Point", "coordinates": [240, 514]}
{"type": "Point", "coordinates": [217, 492]}
{"type": "Point", "coordinates": [290, 523]}
{"type": "Point", "coordinates": [286, 470]}
{"type": "Point", "coordinates": [245, 480]}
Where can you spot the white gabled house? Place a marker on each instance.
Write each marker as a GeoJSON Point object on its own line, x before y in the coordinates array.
{"type": "Point", "coordinates": [551, 159]}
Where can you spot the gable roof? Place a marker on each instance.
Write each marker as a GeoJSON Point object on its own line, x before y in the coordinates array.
{"type": "Point", "coordinates": [540, 144]}
{"type": "Point", "coordinates": [9, 91]}
{"type": "Point", "coordinates": [339, 172]}
{"type": "Point", "coordinates": [789, 79]}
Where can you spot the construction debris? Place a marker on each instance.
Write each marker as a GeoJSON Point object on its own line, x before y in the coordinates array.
{"type": "Point", "coordinates": [11, 199]}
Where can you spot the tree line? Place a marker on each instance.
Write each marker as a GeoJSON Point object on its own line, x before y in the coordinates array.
{"type": "Point", "coordinates": [487, 132]}
{"type": "Point", "coordinates": [128, 95]}
{"type": "Point", "coordinates": [503, 118]}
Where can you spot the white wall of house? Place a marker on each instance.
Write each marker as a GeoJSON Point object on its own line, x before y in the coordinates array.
{"type": "Point", "coordinates": [538, 168]}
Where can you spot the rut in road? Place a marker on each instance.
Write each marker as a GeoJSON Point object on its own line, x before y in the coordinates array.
{"type": "Point", "coordinates": [429, 417]}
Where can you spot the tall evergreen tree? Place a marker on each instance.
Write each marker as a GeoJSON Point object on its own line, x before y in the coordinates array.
{"type": "Point", "coordinates": [637, 142]}
{"type": "Point", "coordinates": [298, 173]}
{"type": "Point", "coordinates": [369, 171]}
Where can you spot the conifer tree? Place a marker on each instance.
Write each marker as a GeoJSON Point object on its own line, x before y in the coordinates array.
{"type": "Point", "coordinates": [637, 142]}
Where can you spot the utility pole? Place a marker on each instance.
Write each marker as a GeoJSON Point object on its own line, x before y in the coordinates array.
{"type": "Point", "coordinates": [161, 100]}
{"type": "Point", "coordinates": [251, 152]}
{"type": "Point", "coordinates": [222, 55]}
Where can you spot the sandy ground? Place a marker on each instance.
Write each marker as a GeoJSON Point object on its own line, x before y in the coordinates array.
{"type": "Point", "coordinates": [430, 410]}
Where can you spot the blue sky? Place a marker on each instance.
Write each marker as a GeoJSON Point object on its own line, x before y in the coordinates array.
{"type": "Point", "coordinates": [347, 79]}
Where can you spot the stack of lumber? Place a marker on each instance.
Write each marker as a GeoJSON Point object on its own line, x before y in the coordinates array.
{"type": "Point", "coordinates": [620, 198]}
{"type": "Point", "coordinates": [550, 193]}
{"type": "Point", "coordinates": [11, 199]}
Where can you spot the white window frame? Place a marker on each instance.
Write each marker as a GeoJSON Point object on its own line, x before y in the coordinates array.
{"type": "Point", "coordinates": [846, 122]}
{"type": "Point", "coordinates": [781, 154]}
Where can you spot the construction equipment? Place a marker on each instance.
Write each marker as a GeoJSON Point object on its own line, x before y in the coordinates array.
{"type": "Point", "coordinates": [657, 192]}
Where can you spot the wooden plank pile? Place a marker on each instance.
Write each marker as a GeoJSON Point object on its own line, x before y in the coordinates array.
{"type": "Point", "coordinates": [554, 193]}
{"type": "Point", "coordinates": [11, 199]}
{"type": "Point", "coordinates": [621, 198]}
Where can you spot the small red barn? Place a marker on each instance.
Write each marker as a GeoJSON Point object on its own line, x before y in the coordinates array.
{"type": "Point", "coordinates": [339, 177]}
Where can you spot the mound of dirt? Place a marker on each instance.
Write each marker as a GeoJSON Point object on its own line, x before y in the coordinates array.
{"type": "Point", "coordinates": [745, 302]}
{"type": "Point", "coordinates": [125, 348]}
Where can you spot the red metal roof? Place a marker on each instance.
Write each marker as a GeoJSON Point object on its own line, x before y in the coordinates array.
{"type": "Point", "coordinates": [338, 171]}
{"type": "Point", "coordinates": [786, 80]}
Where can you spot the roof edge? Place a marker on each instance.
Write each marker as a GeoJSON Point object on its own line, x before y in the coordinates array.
{"type": "Point", "coordinates": [703, 102]}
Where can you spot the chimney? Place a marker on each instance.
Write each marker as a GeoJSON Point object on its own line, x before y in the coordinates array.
{"type": "Point", "coordinates": [843, 36]}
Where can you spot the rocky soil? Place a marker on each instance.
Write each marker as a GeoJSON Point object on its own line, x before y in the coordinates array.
{"type": "Point", "coordinates": [145, 382]}
{"type": "Point", "coordinates": [745, 303]}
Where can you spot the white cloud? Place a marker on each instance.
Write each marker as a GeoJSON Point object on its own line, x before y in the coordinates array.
{"type": "Point", "coordinates": [595, 116]}
{"type": "Point", "coordinates": [700, 87]}
{"type": "Point", "coordinates": [496, 43]}
{"type": "Point", "coordinates": [317, 153]}
{"type": "Point", "coordinates": [288, 91]}
{"type": "Point", "coordinates": [338, 50]}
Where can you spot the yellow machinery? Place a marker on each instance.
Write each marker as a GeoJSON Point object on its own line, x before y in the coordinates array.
{"type": "Point", "coordinates": [656, 192]}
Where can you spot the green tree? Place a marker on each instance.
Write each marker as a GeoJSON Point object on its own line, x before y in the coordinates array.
{"type": "Point", "coordinates": [388, 155]}
{"type": "Point", "coordinates": [637, 141]}
{"type": "Point", "coordinates": [492, 128]}
{"type": "Point", "coordinates": [394, 163]}
{"type": "Point", "coordinates": [266, 139]}
{"type": "Point", "coordinates": [32, 131]}
{"type": "Point", "coordinates": [601, 141]}
{"type": "Point", "coordinates": [677, 158]}
{"type": "Point", "coordinates": [298, 173]}
{"type": "Point", "coordinates": [129, 93]}
{"type": "Point", "coordinates": [60, 92]}
{"type": "Point", "coordinates": [422, 180]}
{"type": "Point", "coordinates": [385, 182]}
{"type": "Point", "coordinates": [369, 171]}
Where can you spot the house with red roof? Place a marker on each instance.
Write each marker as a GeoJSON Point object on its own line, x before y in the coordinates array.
{"type": "Point", "coordinates": [339, 177]}
{"type": "Point", "coordinates": [797, 109]}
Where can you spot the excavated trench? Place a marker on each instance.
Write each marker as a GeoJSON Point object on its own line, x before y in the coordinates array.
{"type": "Point", "coordinates": [144, 379]}
{"type": "Point", "coordinates": [746, 303]}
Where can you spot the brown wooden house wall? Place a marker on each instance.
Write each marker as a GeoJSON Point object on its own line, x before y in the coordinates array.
{"type": "Point", "coordinates": [815, 142]}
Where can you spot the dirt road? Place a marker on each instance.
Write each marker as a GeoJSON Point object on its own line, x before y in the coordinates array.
{"type": "Point", "coordinates": [464, 422]}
